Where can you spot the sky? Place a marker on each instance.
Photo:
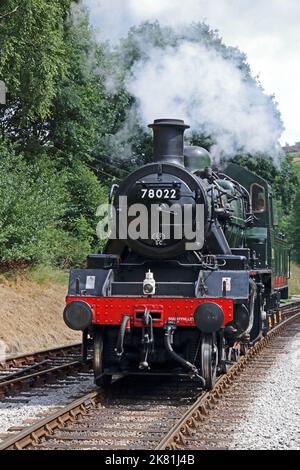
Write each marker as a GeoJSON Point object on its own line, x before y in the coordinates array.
{"type": "Point", "coordinates": [268, 31]}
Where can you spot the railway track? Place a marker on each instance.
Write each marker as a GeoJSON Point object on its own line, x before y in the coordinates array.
{"type": "Point", "coordinates": [207, 424]}
{"type": "Point", "coordinates": [161, 414]}
{"type": "Point", "coordinates": [29, 370]}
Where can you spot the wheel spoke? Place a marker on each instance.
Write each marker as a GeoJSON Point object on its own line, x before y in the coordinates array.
{"type": "Point", "coordinates": [100, 379]}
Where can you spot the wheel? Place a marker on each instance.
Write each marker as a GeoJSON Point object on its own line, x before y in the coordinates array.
{"type": "Point", "coordinates": [223, 367]}
{"type": "Point", "coordinates": [234, 353]}
{"type": "Point", "coordinates": [105, 381]}
{"type": "Point", "coordinates": [244, 348]}
{"type": "Point", "coordinates": [209, 360]}
{"type": "Point", "coordinates": [100, 378]}
{"type": "Point", "coordinates": [85, 345]}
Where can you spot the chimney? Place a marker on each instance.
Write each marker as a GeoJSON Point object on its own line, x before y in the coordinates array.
{"type": "Point", "coordinates": [168, 140]}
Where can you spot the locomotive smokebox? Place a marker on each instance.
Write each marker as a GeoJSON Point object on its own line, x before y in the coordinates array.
{"type": "Point", "coordinates": [169, 140]}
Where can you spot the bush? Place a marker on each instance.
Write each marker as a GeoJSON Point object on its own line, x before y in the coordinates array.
{"type": "Point", "coordinates": [46, 216]}
{"type": "Point", "coordinates": [80, 222]}
{"type": "Point", "coordinates": [86, 194]}
{"type": "Point", "coordinates": [33, 202]}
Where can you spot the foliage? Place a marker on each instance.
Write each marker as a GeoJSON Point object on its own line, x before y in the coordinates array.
{"type": "Point", "coordinates": [70, 127]}
{"type": "Point", "coordinates": [84, 113]}
{"type": "Point", "coordinates": [46, 216]}
{"type": "Point", "coordinates": [33, 58]}
{"type": "Point", "coordinates": [57, 114]}
{"type": "Point", "coordinates": [79, 221]}
{"type": "Point", "coordinates": [32, 204]}
{"type": "Point", "coordinates": [44, 275]}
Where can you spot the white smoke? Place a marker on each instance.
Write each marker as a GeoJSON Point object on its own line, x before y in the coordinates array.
{"type": "Point", "coordinates": [197, 84]}
{"type": "Point", "coordinates": [193, 80]}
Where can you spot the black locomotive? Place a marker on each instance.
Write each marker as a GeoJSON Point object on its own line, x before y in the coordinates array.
{"type": "Point", "coordinates": [193, 273]}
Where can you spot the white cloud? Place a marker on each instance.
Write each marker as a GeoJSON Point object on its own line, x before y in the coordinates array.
{"type": "Point", "coordinates": [267, 30]}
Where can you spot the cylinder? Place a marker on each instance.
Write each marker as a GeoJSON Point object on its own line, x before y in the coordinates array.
{"type": "Point", "coordinates": [169, 140]}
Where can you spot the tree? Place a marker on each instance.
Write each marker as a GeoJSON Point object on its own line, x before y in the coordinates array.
{"type": "Point", "coordinates": [54, 117]}
{"type": "Point", "coordinates": [70, 126]}
{"type": "Point", "coordinates": [33, 58]}
{"type": "Point", "coordinates": [83, 113]}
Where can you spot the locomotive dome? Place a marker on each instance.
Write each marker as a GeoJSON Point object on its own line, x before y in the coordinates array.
{"type": "Point", "coordinates": [196, 158]}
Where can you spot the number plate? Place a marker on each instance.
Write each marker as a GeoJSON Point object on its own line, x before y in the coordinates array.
{"type": "Point", "coordinates": [160, 194]}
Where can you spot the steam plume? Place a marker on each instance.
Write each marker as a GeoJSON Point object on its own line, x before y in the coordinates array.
{"type": "Point", "coordinates": [196, 83]}
{"type": "Point", "coordinates": [187, 72]}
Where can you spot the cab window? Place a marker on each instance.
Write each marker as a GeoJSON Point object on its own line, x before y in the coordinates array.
{"type": "Point", "coordinates": [258, 196]}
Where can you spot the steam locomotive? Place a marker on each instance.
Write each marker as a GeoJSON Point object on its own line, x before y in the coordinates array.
{"type": "Point", "coordinates": [165, 300]}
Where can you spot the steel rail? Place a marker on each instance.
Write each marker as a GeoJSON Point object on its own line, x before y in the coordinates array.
{"type": "Point", "coordinates": [199, 411]}
{"type": "Point", "coordinates": [178, 435]}
{"type": "Point", "coordinates": [31, 357]}
{"type": "Point", "coordinates": [39, 367]}
{"type": "Point", "coordinates": [48, 425]}
{"type": "Point", "coordinates": [14, 385]}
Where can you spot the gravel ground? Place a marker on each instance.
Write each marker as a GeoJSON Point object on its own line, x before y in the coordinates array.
{"type": "Point", "coordinates": [14, 411]}
{"type": "Point", "coordinates": [269, 420]}
{"type": "Point", "coordinates": [272, 421]}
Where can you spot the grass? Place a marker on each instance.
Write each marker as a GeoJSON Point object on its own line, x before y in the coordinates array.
{"type": "Point", "coordinates": [41, 275]}
{"type": "Point", "coordinates": [44, 275]}
{"type": "Point", "coordinates": [295, 280]}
